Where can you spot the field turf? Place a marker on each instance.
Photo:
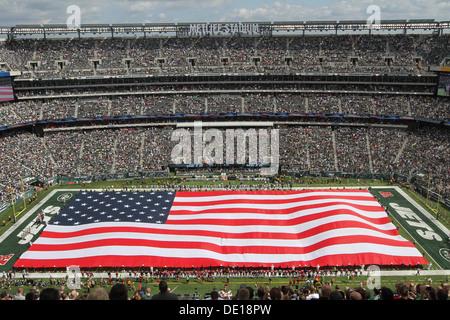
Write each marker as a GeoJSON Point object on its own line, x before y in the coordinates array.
{"type": "Point", "coordinates": [10, 237]}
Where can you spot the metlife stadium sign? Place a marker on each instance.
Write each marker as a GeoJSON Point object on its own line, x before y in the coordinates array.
{"type": "Point", "coordinates": [225, 29]}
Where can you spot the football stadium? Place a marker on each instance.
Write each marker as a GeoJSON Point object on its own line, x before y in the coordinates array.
{"type": "Point", "coordinates": [260, 160]}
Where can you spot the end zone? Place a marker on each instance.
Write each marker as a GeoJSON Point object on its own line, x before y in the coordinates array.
{"type": "Point", "coordinates": [428, 234]}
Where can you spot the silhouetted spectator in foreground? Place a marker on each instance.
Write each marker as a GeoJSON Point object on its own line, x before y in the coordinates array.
{"type": "Point", "coordinates": [386, 294]}
{"type": "Point", "coordinates": [164, 293]}
{"type": "Point", "coordinates": [335, 295]}
{"type": "Point", "coordinates": [49, 294]}
{"type": "Point", "coordinates": [98, 294]}
{"type": "Point", "coordinates": [118, 292]}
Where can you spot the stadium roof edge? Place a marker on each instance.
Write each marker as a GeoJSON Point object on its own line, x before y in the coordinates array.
{"type": "Point", "coordinates": [56, 25]}
{"type": "Point", "coordinates": [127, 25]}
{"type": "Point", "coordinates": [199, 22]}
{"type": "Point", "coordinates": [28, 26]}
{"type": "Point", "coordinates": [159, 24]}
{"type": "Point", "coordinates": [321, 22]}
{"type": "Point", "coordinates": [392, 21]}
{"type": "Point", "coordinates": [24, 29]}
{"type": "Point", "coordinates": [421, 20]}
{"type": "Point", "coordinates": [352, 21]}
{"type": "Point", "coordinates": [93, 25]}
{"type": "Point", "coordinates": [288, 22]}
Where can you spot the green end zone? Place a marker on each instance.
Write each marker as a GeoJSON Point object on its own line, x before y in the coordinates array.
{"type": "Point", "coordinates": [428, 234]}
{"type": "Point", "coordinates": [17, 239]}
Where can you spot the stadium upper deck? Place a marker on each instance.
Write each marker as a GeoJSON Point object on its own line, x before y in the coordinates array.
{"type": "Point", "coordinates": [129, 49]}
{"type": "Point", "coordinates": [228, 28]}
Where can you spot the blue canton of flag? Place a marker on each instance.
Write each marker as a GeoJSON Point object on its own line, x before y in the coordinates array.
{"type": "Point", "coordinates": [90, 207]}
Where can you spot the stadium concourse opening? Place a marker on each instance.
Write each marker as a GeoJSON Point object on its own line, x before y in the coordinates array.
{"type": "Point", "coordinates": [350, 103]}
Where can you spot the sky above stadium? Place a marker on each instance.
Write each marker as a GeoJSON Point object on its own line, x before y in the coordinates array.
{"type": "Point", "coordinates": [16, 12]}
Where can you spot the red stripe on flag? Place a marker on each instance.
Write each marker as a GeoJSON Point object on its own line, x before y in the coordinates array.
{"type": "Point", "coordinates": [156, 261]}
{"type": "Point", "coordinates": [223, 249]}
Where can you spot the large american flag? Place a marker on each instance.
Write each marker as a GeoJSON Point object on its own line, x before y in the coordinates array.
{"type": "Point", "coordinates": [6, 93]}
{"type": "Point", "coordinates": [221, 228]}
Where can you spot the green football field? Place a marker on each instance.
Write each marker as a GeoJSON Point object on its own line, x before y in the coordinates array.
{"type": "Point", "coordinates": [414, 222]}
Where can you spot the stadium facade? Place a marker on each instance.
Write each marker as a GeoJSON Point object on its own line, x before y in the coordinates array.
{"type": "Point", "coordinates": [351, 100]}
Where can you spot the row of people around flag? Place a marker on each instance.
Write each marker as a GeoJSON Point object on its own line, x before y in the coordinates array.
{"type": "Point", "coordinates": [326, 291]}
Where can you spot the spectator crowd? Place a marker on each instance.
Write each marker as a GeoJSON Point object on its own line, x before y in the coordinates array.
{"type": "Point", "coordinates": [344, 53]}
{"type": "Point", "coordinates": [219, 101]}
{"type": "Point", "coordinates": [122, 291]}
{"type": "Point", "coordinates": [376, 149]}
{"type": "Point", "coordinates": [380, 150]}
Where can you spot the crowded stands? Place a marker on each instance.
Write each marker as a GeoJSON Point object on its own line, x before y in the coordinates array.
{"type": "Point", "coordinates": [371, 129]}
{"type": "Point", "coordinates": [313, 144]}
{"type": "Point", "coordinates": [123, 56]}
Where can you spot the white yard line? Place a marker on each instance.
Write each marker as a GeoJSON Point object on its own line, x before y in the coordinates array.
{"type": "Point", "coordinates": [26, 216]}
{"type": "Point", "coordinates": [422, 210]}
